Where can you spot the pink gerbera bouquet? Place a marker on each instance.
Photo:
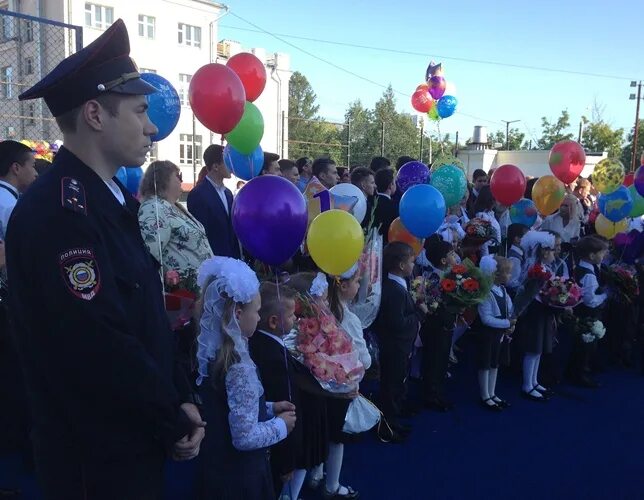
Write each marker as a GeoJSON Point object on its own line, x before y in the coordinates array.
{"type": "Point", "coordinates": [560, 292]}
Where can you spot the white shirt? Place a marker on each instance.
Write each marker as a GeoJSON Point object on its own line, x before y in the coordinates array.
{"type": "Point", "coordinates": [589, 286]}
{"type": "Point", "coordinates": [221, 191]}
{"type": "Point", "coordinates": [116, 191]}
{"type": "Point", "coordinates": [274, 337]}
{"type": "Point", "coordinates": [398, 279]}
{"type": "Point", "coordinates": [385, 195]}
{"type": "Point", "coordinates": [353, 326]}
{"type": "Point", "coordinates": [517, 266]}
{"type": "Point", "coordinates": [489, 311]}
{"type": "Point", "coordinates": [8, 199]}
{"type": "Point", "coordinates": [554, 223]}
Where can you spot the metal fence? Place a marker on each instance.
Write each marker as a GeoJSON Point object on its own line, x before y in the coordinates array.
{"type": "Point", "coordinates": [30, 47]}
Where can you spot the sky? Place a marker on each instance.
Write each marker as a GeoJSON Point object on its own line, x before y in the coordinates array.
{"type": "Point", "coordinates": [590, 37]}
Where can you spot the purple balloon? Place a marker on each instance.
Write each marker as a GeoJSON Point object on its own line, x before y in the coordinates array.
{"type": "Point", "coordinates": [270, 218]}
{"type": "Point", "coordinates": [410, 174]}
{"type": "Point", "coordinates": [638, 180]}
{"type": "Point", "coordinates": [437, 86]}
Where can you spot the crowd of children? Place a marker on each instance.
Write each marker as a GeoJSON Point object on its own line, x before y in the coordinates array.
{"type": "Point", "coordinates": [264, 399]}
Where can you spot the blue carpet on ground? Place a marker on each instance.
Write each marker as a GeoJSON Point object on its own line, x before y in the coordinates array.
{"type": "Point", "coordinates": [583, 444]}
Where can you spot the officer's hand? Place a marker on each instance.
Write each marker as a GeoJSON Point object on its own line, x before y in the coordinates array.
{"type": "Point", "coordinates": [282, 406]}
{"type": "Point", "coordinates": [188, 447]}
{"type": "Point", "coordinates": [289, 419]}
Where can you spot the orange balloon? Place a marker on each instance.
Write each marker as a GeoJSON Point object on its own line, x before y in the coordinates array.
{"type": "Point", "coordinates": [398, 232]}
{"type": "Point", "coordinates": [423, 86]}
{"type": "Point", "coordinates": [547, 194]}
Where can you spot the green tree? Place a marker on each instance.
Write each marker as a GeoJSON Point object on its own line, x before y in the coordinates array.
{"type": "Point", "coordinates": [308, 135]}
{"type": "Point", "coordinates": [554, 132]}
{"type": "Point", "coordinates": [516, 139]}
{"type": "Point", "coordinates": [628, 147]}
{"type": "Point", "coordinates": [598, 136]}
{"type": "Point", "coordinates": [401, 136]}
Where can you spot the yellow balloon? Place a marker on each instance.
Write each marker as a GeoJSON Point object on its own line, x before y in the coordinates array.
{"type": "Point", "coordinates": [609, 229]}
{"type": "Point", "coordinates": [335, 241]}
{"type": "Point", "coordinates": [547, 194]}
{"type": "Point", "coordinates": [608, 175]}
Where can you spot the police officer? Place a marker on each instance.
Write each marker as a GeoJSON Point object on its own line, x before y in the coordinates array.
{"type": "Point", "coordinates": [107, 396]}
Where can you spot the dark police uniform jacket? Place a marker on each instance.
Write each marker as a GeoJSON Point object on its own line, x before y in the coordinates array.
{"type": "Point", "coordinates": [94, 340]}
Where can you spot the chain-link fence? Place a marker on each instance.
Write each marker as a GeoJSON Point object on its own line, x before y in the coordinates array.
{"type": "Point", "coordinates": [30, 47]}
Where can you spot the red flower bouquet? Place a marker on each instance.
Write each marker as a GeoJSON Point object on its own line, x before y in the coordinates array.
{"type": "Point", "coordinates": [180, 296]}
{"type": "Point", "coordinates": [464, 285]}
{"type": "Point", "coordinates": [479, 230]}
{"type": "Point", "coordinates": [623, 279]}
{"type": "Point", "coordinates": [426, 290]}
{"type": "Point", "coordinates": [320, 343]}
{"type": "Point", "coordinates": [538, 276]}
{"type": "Point", "coordinates": [560, 292]}
{"type": "Point", "coordinates": [539, 272]}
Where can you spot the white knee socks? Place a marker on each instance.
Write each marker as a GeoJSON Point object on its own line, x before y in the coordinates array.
{"type": "Point", "coordinates": [491, 384]}
{"type": "Point", "coordinates": [334, 466]}
{"type": "Point", "coordinates": [535, 373]}
{"type": "Point", "coordinates": [530, 370]}
{"type": "Point", "coordinates": [484, 384]}
{"type": "Point", "coordinates": [294, 486]}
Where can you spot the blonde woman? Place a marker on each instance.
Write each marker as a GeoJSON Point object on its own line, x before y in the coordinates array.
{"type": "Point", "coordinates": [173, 236]}
{"type": "Point", "coordinates": [565, 221]}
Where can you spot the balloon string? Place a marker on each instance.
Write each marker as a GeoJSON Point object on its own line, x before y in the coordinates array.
{"type": "Point", "coordinates": [281, 316]}
{"type": "Point", "coordinates": [156, 212]}
{"type": "Point", "coordinates": [440, 138]}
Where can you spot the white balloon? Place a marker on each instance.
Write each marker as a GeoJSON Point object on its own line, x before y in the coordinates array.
{"type": "Point", "coordinates": [450, 89]}
{"type": "Point", "coordinates": [359, 211]}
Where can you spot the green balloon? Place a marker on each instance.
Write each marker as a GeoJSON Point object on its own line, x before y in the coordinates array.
{"type": "Point", "coordinates": [638, 202]}
{"type": "Point", "coordinates": [451, 182]}
{"type": "Point", "coordinates": [433, 114]}
{"type": "Point", "coordinates": [248, 133]}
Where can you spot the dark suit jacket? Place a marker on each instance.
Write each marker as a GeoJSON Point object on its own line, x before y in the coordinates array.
{"type": "Point", "coordinates": [206, 206]}
{"type": "Point", "coordinates": [385, 213]}
{"type": "Point", "coordinates": [397, 321]}
{"type": "Point", "coordinates": [469, 206]}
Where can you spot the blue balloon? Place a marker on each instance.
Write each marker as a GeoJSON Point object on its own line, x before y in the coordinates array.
{"type": "Point", "coordinates": [164, 106]}
{"type": "Point", "coordinates": [422, 210]}
{"type": "Point", "coordinates": [523, 212]}
{"type": "Point", "coordinates": [446, 106]}
{"type": "Point", "coordinates": [121, 175]}
{"type": "Point", "coordinates": [134, 176]}
{"type": "Point", "coordinates": [617, 205]}
{"type": "Point", "coordinates": [243, 166]}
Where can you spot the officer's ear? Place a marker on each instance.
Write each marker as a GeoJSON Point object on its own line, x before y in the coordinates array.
{"type": "Point", "coordinates": [92, 113]}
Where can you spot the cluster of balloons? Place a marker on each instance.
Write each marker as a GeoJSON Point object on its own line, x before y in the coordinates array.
{"type": "Point", "coordinates": [435, 96]}
{"type": "Point", "coordinates": [619, 196]}
{"type": "Point", "coordinates": [130, 177]}
{"type": "Point", "coordinates": [272, 219]}
{"type": "Point", "coordinates": [222, 97]}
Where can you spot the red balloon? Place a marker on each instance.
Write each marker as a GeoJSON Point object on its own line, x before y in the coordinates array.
{"type": "Point", "coordinates": [217, 97]}
{"type": "Point", "coordinates": [252, 73]}
{"type": "Point", "coordinates": [421, 101]}
{"type": "Point", "coordinates": [507, 184]}
{"type": "Point", "coordinates": [423, 86]}
{"type": "Point", "coordinates": [567, 159]}
{"type": "Point", "coordinates": [629, 179]}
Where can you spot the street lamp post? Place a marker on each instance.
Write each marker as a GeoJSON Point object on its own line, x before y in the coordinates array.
{"type": "Point", "coordinates": [507, 132]}
{"type": "Point", "coordinates": [637, 121]}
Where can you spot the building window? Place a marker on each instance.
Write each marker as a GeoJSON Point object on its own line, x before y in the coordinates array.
{"type": "Point", "coordinates": [186, 156]}
{"type": "Point", "coordinates": [146, 26]}
{"type": "Point", "coordinates": [189, 35]}
{"type": "Point", "coordinates": [7, 82]}
{"type": "Point", "coordinates": [31, 114]}
{"type": "Point", "coordinates": [184, 84]}
{"type": "Point", "coordinates": [8, 27]}
{"type": "Point", "coordinates": [29, 31]}
{"type": "Point", "coordinates": [98, 16]}
{"type": "Point", "coordinates": [29, 66]}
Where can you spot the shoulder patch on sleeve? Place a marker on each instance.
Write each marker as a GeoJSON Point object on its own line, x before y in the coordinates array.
{"type": "Point", "coordinates": [80, 272]}
{"type": "Point", "coordinates": [72, 195]}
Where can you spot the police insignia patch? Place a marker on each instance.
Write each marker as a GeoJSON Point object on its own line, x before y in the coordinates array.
{"type": "Point", "coordinates": [80, 272]}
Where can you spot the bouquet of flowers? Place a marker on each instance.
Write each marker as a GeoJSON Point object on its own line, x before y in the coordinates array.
{"type": "Point", "coordinates": [426, 289]}
{"type": "Point", "coordinates": [465, 285]}
{"type": "Point", "coordinates": [320, 343]}
{"type": "Point", "coordinates": [538, 276]}
{"type": "Point", "coordinates": [479, 230]}
{"type": "Point", "coordinates": [180, 295]}
{"type": "Point", "coordinates": [590, 330]}
{"type": "Point", "coordinates": [623, 279]}
{"type": "Point", "coordinates": [560, 292]}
